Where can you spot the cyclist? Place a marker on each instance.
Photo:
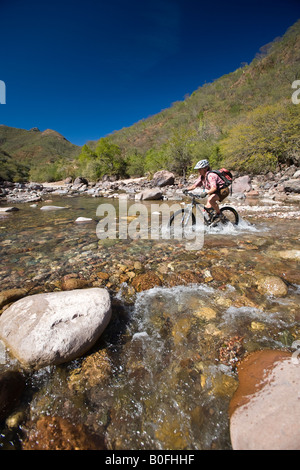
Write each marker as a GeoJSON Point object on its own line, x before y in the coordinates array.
{"type": "Point", "coordinates": [214, 186]}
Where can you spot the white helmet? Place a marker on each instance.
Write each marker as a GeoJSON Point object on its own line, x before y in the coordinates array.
{"type": "Point", "coordinates": [201, 164]}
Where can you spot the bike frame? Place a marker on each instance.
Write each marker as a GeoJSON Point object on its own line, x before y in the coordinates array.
{"type": "Point", "coordinates": [200, 207]}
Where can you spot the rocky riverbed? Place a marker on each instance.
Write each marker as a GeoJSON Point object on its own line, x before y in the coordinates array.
{"type": "Point", "coordinates": [281, 186]}
{"type": "Point", "coordinates": [164, 372]}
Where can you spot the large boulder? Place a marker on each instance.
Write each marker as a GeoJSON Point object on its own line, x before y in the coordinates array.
{"type": "Point", "coordinates": [292, 186]}
{"type": "Point", "coordinates": [80, 180]}
{"type": "Point", "coordinates": [264, 411]}
{"type": "Point", "coordinates": [163, 178]}
{"type": "Point", "coordinates": [56, 327]}
{"type": "Point", "coordinates": [149, 194]}
{"type": "Point", "coordinates": [241, 184]}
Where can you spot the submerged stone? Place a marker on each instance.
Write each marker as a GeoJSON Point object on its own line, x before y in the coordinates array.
{"type": "Point", "coordinates": [272, 285]}
{"type": "Point", "coordinates": [56, 433]}
{"type": "Point", "coordinates": [11, 295]}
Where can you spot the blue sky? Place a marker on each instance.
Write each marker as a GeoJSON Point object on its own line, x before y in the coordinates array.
{"type": "Point", "coordinates": [88, 68]}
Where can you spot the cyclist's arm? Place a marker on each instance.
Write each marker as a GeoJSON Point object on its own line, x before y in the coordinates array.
{"type": "Point", "coordinates": [211, 190]}
{"type": "Point", "coordinates": [198, 183]}
{"type": "Point", "coordinates": [192, 187]}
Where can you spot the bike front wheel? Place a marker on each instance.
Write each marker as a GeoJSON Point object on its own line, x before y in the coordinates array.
{"type": "Point", "coordinates": [182, 218]}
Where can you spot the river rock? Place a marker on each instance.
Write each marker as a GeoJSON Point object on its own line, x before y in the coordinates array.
{"type": "Point", "coordinates": [292, 186]}
{"type": "Point", "coordinates": [163, 178]}
{"type": "Point", "coordinates": [80, 180]}
{"type": "Point", "coordinates": [272, 285]}
{"type": "Point", "coordinates": [83, 220]}
{"type": "Point", "coordinates": [146, 281]}
{"type": "Point", "coordinates": [35, 187]}
{"type": "Point", "coordinates": [149, 194]}
{"type": "Point", "coordinates": [56, 433]}
{"type": "Point", "coordinates": [8, 209]}
{"type": "Point", "coordinates": [11, 295]}
{"type": "Point", "coordinates": [296, 174]}
{"type": "Point", "coordinates": [71, 283]}
{"type": "Point", "coordinates": [241, 184]}
{"type": "Point", "coordinates": [293, 255]}
{"type": "Point", "coordinates": [51, 208]}
{"type": "Point", "coordinates": [56, 327]}
{"type": "Point", "coordinates": [12, 384]}
{"type": "Point", "coordinates": [205, 312]}
{"type": "Point", "coordinates": [264, 412]}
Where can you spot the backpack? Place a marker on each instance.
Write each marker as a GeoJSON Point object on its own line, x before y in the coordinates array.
{"type": "Point", "coordinates": [224, 174]}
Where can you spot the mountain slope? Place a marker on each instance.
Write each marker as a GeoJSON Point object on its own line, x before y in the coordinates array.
{"type": "Point", "coordinates": [34, 154]}
{"type": "Point", "coordinates": [215, 108]}
{"type": "Point", "coordinates": [34, 146]}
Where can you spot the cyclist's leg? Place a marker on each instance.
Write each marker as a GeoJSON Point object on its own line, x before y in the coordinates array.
{"type": "Point", "coordinates": [212, 202]}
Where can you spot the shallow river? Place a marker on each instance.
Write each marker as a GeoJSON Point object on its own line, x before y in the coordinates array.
{"type": "Point", "coordinates": [163, 373]}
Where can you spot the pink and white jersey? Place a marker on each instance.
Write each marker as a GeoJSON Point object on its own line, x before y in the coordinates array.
{"type": "Point", "coordinates": [212, 180]}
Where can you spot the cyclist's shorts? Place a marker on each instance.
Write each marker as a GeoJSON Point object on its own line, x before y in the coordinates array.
{"type": "Point", "coordinates": [222, 193]}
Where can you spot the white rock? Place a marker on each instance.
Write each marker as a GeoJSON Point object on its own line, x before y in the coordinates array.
{"type": "Point", "coordinates": [51, 208]}
{"type": "Point", "coordinates": [56, 327]}
{"type": "Point", "coordinates": [83, 219]}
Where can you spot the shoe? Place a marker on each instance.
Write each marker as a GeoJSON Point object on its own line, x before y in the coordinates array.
{"type": "Point", "coordinates": [211, 213]}
{"type": "Point", "coordinates": [219, 218]}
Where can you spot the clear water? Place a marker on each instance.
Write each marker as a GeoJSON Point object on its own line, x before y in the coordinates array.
{"type": "Point", "coordinates": [172, 349]}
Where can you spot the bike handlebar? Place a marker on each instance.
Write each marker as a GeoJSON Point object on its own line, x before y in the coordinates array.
{"type": "Point", "coordinates": [190, 194]}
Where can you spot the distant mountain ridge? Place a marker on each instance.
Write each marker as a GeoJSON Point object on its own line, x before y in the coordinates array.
{"type": "Point", "coordinates": [35, 145]}
{"type": "Point", "coordinates": [21, 150]}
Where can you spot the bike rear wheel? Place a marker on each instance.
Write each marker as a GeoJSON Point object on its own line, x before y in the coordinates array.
{"type": "Point", "coordinates": [230, 214]}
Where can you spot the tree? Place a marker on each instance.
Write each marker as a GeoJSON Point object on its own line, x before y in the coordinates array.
{"type": "Point", "coordinates": [135, 163]}
{"type": "Point", "coordinates": [180, 149]}
{"type": "Point", "coordinates": [268, 136]}
{"type": "Point", "coordinates": [106, 159]}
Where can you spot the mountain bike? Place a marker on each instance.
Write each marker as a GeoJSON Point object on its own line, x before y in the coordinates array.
{"type": "Point", "coordinates": [186, 216]}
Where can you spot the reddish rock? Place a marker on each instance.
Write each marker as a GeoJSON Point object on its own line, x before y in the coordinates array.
{"type": "Point", "coordinates": [56, 433]}
{"type": "Point", "coordinates": [71, 283]}
{"type": "Point", "coordinates": [265, 410]}
{"type": "Point", "coordinates": [11, 295]}
{"type": "Point", "coordinates": [146, 281]}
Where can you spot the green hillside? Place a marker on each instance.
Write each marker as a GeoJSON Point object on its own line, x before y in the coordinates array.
{"type": "Point", "coordinates": [245, 119]}
{"type": "Point", "coordinates": [26, 154]}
